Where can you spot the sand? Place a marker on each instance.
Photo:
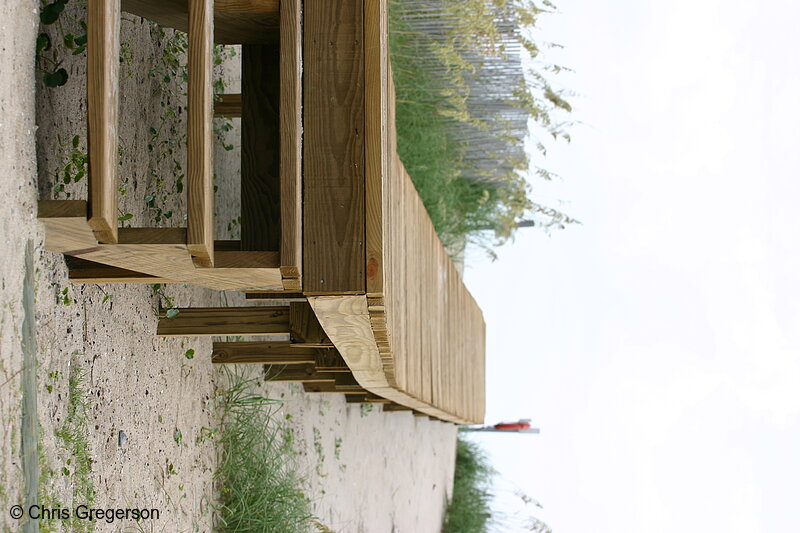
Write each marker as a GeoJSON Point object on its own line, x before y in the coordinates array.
{"type": "Point", "coordinates": [366, 471]}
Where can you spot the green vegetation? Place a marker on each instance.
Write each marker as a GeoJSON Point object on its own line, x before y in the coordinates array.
{"type": "Point", "coordinates": [468, 511]}
{"type": "Point", "coordinates": [464, 99]}
{"type": "Point", "coordinates": [52, 47]}
{"type": "Point", "coordinates": [73, 440]}
{"type": "Point", "coordinates": [258, 485]}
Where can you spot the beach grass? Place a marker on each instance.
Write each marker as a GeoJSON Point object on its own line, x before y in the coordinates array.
{"type": "Point", "coordinates": [259, 488]}
{"type": "Point", "coordinates": [469, 509]}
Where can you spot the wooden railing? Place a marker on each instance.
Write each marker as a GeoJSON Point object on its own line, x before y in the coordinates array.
{"type": "Point", "coordinates": [383, 286]}
{"type": "Point", "coordinates": [330, 217]}
{"type": "Point", "coordinates": [268, 257]}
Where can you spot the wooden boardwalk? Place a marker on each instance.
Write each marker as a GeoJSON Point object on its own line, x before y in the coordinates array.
{"type": "Point", "coordinates": [363, 299]}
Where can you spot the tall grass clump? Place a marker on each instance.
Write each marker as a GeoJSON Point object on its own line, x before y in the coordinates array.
{"type": "Point", "coordinates": [465, 101]}
{"type": "Point", "coordinates": [469, 509]}
{"type": "Point", "coordinates": [259, 488]}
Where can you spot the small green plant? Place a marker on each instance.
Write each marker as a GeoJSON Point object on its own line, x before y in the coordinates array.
{"type": "Point", "coordinates": [54, 44]}
{"type": "Point", "coordinates": [63, 297]}
{"type": "Point", "coordinates": [257, 471]}
{"type": "Point", "coordinates": [73, 437]}
{"type": "Point", "coordinates": [320, 468]}
{"type": "Point", "coordinates": [366, 409]}
{"type": "Point", "coordinates": [166, 304]}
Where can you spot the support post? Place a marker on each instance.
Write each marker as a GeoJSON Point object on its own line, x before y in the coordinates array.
{"type": "Point", "coordinates": [102, 88]}
{"type": "Point", "coordinates": [200, 164]}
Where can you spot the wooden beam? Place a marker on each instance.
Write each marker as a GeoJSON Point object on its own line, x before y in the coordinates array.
{"type": "Point", "coordinates": [329, 360]}
{"type": "Point", "coordinates": [200, 163]}
{"type": "Point", "coordinates": [85, 271]}
{"type": "Point", "coordinates": [260, 191]}
{"type": "Point", "coordinates": [270, 353]}
{"type": "Point", "coordinates": [246, 6]}
{"type": "Point", "coordinates": [306, 374]}
{"type": "Point", "coordinates": [210, 321]}
{"type": "Point", "coordinates": [230, 259]}
{"type": "Point", "coordinates": [277, 295]}
{"type": "Point", "coordinates": [159, 252]}
{"type": "Point", "coordinates": [395, 407]}
{"type": "Point", "coordinates": [333, 146]}
{"type": "Point", "coordinates": [305, 327]}
{"type": "Point", "coordinates": [345, 382]}
{"type": "Point", "coordinates": [291, 143]}
{"type": "Point", "coordinates": [365, 398]}
{"type": "Point", "coordinates": [346, 320]}
{"type": "Point", "coordinates": [102, 89]}
{"type": "Point", "coordinates": [235, 21]}
{"type": "Point", "coordinates": [377, 149]}
{"type": "Point", "coordinates": [228, 105]}
{"type": "Point", "coordinates": [326, 387]}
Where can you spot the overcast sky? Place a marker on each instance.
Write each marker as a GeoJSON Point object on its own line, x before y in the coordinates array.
{"type": "Point", "coordinates": [657, 345]}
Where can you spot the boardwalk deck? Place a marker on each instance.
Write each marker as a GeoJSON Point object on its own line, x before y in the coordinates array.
{"type": "Point", "coordinates": [366, 300]}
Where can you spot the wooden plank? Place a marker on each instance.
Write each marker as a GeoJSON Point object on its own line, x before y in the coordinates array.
{"type": "Point", "coordinates": [364, 398]}
{"type": "Point", "coordinates": [102, 89]}
{"type": "Point", "coordinates": [304, 326]}
{"type": "Point", "coordinates": [159, 252]}
{"type": "Point", "coordinates": [394, 407]}
{"type": "Point", "coordinates": [260, 191]}
{"type": "Point", "coordinates": [327, 387]}
{"type": "Point", "coordinates": [271, 353]}
{"type": "Point", "coordinates": [66, 227]}
{"type": "Point", "coordinates": [330, 360]}
{"type": "Point", "coordinates": [235, 21]}
{"type": "Point", "coordinates": [291, 131]}
{"type": "Point", "coordinates": [84, 271]}
{"type": "Point", "coordinates": [246, 259]}
{"type": "Point", "coordinates": [346, 382]}
{"type": "Point", "coordinates": [292, 284]}
{"type": "Point", "coordinates": [333, 147]}
{"type": "Point", "coordinates": [299, 374]}
{"type": "Point", "coordinates": [288, 297]}
{"type": "Point", "coordinates": [246, 6]}
{"type": "Point", "coordinates": [228, 105]}
{"type": "Point", "coordinates": [346, 320]}
{"type": "Point", "coordinates": [200, 165]}
{"type": "Point", "coordinates": [376, 143]}
{"type": "Point", "coordinates": [210, 321]}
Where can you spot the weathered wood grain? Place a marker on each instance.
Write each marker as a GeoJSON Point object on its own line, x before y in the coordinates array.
{"type": "Point", "coordinates": [271, 353]}
{"type": "Point", "coordinates": [347, 322]}
{"type": "Point", "coordinates": [333, 147]}
{"type": "Point", "coordinates": [84, 271]}
{"type": "Point", "coordinates": [159, 252]}
{"type": "Point", "coordinates": [305, 374]}
{"type": "Point", "coordinates": [228, 105]}
{"type": "Point", "coordinates": [376, 142]}
{"type": "Point", "coordinates": [291, 138]}
{"type": "Point", "coordinates": [235, 21]}
{"type": "Point", "coordinates": [304, 326]}
{"type": "Point", "coordinates": [200, 164]}
{"type": "Point", "coordinates": [211, 321]}
{"type": "Point", "coordinates": [102, 87]}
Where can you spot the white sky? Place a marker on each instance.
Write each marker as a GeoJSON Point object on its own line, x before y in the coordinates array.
{"type": "Point", "coordinates": [658, 344]}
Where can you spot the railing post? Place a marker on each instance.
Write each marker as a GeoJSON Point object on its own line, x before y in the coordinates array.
{"type": "Point", "coordinates": [102, 88]}
{"type": "Point", "coordinates": [200, 162]}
